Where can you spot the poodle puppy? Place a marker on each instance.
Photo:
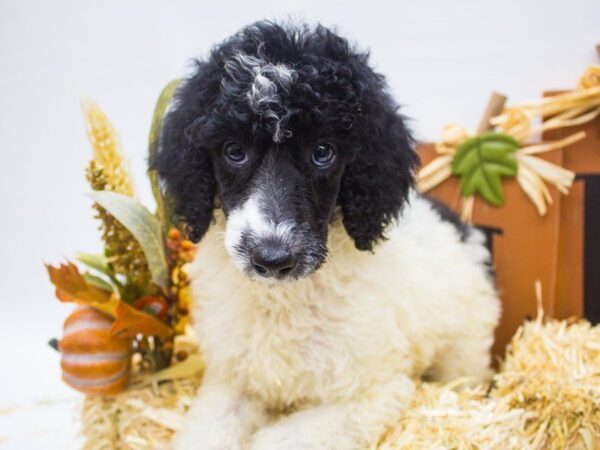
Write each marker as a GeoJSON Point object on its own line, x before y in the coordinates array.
{"type": "Point", "coordinates": [323, 284]}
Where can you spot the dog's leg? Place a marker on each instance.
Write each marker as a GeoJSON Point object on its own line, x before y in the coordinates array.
{"type": "Point", "coordinates": [354, 424]}
{"type": "Point", "coordinates": [466, 356]}
{"type": "Point", "coordinates": [220, 419]}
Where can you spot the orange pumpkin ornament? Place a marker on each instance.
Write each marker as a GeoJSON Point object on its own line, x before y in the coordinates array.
{"type": "Point", "coordinates": [93, 361]}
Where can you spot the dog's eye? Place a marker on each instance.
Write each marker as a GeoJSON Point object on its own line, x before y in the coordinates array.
{"type": "Point", "coordinates": [323, 155]}
{"type": "Point", "coordinates": [235, 154]}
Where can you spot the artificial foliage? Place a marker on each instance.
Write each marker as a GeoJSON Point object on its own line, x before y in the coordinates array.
{"type": "Point", "coordinates": [482, 161]}
{"type": "Point", "coordinates": [139, 282]}
{"type": "Point", "coordinates": [162, 203]}
{"type": "Point", "coordinates": [123, 253]}
{"type": "Point", "coordinates": [106, 151]}
{"type": "Point", "coordinates": [107, 172]}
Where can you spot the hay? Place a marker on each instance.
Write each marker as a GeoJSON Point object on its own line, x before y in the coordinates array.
{"type": "Point", "coordinates": [553, 371]}
{"type": "Point", "coordinates": [140, 418]}
{"type": "Point", "coordinates": [147, 414]}
{"type": "Point", "coordinates": [546, 396]}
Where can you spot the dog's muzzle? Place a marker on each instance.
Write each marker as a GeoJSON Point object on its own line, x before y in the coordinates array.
{"type": "Point", "coordinates": [265, 250]}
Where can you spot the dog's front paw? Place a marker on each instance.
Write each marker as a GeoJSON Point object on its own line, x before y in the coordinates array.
{"type": "Point", "coordinates": [220, 419]}
{"type": "Point", "coordinates": [322, 428]}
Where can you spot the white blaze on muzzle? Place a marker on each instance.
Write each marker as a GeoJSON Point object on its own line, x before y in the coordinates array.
{"type": "Point", "coordinates": [249, 219]}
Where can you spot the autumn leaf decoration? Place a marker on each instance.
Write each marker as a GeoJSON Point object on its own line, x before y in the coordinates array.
{"type": "Point", "coordinates": [72, 287]}
{"type": "Point", "coordinates": [139, 280]}
{"type": "Point", "coordinates": [131, 322]}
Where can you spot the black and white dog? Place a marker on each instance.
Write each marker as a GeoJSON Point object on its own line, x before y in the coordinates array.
{"type": "Point", "coordinates": [323, 283]}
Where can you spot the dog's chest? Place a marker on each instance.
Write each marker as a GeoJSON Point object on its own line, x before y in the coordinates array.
{"type": "Point", "coordinates": [284, 346]}
{"type": "Point", "coordinates": [283, 362]}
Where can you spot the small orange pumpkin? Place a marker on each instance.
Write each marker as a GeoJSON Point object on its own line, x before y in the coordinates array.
{"type": "Point", "coordinates": [93, 361]}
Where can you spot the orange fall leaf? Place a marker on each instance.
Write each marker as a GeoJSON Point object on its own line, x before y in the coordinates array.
{"type": "Point", "coordinates": [72, 287]}
{"type": "Point", "coordinates": [130, 322]}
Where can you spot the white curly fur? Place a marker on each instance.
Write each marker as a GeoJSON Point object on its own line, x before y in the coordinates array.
{"type": "Point", "coordinates": [327, 362]}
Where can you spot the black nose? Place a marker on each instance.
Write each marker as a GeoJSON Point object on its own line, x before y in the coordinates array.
{"type": "Point", "coordinates": [272, 260]}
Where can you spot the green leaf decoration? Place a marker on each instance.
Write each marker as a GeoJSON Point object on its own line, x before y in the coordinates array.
{"type": "Point", "coordinates": [96, 262]}
{"type": "Point", "coordinates": [100, 264]}
{"type": "Point", "coordinates": [482, 161]}
{"type": "Point", "coordinates": [143, 225]}
{"type": "Point", "coordinates": [97, 281]}
{"type": "Point", "coordinates": [157, 119]}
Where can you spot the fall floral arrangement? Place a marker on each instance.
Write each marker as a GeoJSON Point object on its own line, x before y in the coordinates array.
{"type": "Point", "coordinates": [133, 298]}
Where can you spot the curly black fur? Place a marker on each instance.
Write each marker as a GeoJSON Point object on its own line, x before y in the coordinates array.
{"type": "Point", "coordinates": [288, 87]}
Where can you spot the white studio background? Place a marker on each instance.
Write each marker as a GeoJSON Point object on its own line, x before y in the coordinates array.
{"type": "Point", "coordinates": [442, 60]}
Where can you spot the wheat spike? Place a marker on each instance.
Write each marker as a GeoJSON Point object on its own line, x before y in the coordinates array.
{"type": "Point", "coordinates": [106, 149]}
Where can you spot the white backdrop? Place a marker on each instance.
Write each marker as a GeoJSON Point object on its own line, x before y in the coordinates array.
{"type": "Point", "coordinates": [442, 59]}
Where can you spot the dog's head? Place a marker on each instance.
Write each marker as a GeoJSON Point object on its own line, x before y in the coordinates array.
{"type": "Point", "coordinates": [279, 126]}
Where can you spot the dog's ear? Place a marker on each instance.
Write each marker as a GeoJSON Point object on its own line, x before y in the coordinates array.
{"type": "Point", "coordinates": [377, 183]}
{"type": "Point", "coordinates": [184, 167]}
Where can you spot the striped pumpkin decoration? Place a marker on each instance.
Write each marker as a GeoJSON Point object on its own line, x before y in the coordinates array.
{"type": "Point", "coordinates": [93, 361]}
